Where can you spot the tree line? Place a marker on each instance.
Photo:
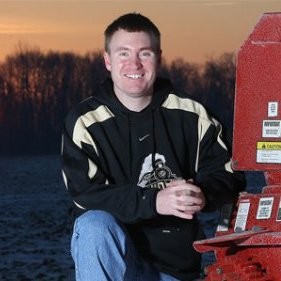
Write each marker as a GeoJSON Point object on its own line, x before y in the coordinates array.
{"type": "Point", "coordinates": [38, 89]}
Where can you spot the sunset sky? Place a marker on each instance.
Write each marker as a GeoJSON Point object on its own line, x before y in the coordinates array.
{"type": "Point", "coordinates": [194, 30]}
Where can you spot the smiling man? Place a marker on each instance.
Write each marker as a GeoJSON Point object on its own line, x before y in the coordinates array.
{"type": "Point", "coordinates": [133, 59]}
{"type": "Point", "coordinates": [140, 160]}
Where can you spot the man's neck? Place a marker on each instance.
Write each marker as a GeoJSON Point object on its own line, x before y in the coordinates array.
{"type": "Point", "coordinates": [135, 103]}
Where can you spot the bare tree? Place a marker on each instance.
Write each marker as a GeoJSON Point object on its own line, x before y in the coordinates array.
{"type": "Point", "coordinates": [37, 90]}
{"type": "Point", "coordinates": [218, 80]}
{"type": "Point", "coordinates": [186, 77]}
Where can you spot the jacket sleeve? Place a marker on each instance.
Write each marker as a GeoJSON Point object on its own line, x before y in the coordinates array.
{"type": "Point", "coordinates": [89, 187]}
{"type": "Point", "coordinates": [215, 175]}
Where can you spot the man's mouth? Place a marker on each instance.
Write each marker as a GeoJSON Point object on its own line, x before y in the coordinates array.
{"type": "Point", "coordinates": [134, 76]}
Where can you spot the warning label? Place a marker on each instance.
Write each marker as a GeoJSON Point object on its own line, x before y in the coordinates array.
{"type": "Point", "coordinates": [242, 216]}
{"type": "Point", "coordinates": [269, 152]}
{"type": "Point", "coordinates": [269, 145]}
{"type": "Point", "coordinates": [271, 128]}
{"type": "Point", "coordinates": [265, 208]}
{"type": "Point", "coordinates": [272, 110]}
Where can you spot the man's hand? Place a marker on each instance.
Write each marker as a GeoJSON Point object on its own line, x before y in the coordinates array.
{"type": "Point", "coordinates": [181, 198]}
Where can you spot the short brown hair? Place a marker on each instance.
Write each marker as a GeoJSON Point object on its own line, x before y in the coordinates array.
{"type": "Point", "coordinates": [133, 22]}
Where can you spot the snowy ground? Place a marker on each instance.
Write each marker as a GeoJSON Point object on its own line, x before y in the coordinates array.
{"type": "Point", "coordinates": [34, 238]}
{"type": "Point", "coordinates": [34, 233]}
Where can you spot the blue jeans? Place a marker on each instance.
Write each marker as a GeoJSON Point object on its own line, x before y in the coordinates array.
{"type": "Point", "coordinates": [102, 251]}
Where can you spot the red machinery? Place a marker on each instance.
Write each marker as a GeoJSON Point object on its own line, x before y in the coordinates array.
{"type": "Point", "coordinates": [248, 245]}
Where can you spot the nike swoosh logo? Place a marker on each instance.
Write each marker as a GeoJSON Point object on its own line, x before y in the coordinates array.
{"type": "Point", "coordinates": [144, 137]}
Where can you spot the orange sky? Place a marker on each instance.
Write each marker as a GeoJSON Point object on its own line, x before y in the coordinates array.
{"type": "Point", "coordinates": [193, 30]}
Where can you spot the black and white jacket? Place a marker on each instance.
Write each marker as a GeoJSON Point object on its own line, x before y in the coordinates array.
{"type": "Point", "coordinates": [117, 160]}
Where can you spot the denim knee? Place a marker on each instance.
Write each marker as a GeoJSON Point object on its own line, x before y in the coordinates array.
{"type": "Point", "coordinates": [96, 226]}
{"type": "Point", "coordinates": [102, 250]}
{"type": "Point", "coordinates": [96, 218]}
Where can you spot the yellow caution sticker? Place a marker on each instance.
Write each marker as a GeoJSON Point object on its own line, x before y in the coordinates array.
{"type": "Point", "coordinates": [269, 152]}
{"type": "Point", "coordinates": [269, 145]}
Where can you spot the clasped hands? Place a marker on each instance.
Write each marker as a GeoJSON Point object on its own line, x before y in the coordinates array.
{"type": "Point", "coordinates": [181, 198]}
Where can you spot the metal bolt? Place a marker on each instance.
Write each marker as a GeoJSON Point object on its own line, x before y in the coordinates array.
{"type": "Point", "coordinates": [234, 164]}
{"type": "Point", "coordinates": [219, 270]}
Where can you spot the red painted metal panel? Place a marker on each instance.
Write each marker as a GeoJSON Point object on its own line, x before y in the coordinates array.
{"type": "Point", "coordinates": [257, 125]}
{"type": "Point", "coordinates": [249, 246]}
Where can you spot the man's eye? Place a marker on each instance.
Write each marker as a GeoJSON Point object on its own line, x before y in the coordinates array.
{"type": "Point", "coordinates": [123, 54]}
{"type": "Point", "coordinates": [146, 54]}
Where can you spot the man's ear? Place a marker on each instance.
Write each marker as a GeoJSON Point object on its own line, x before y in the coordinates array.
{"type": "Point", "coordinates": [107, 62]}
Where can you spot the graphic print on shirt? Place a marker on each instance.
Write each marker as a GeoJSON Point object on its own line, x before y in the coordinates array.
{"type": "Point", "coordinates": [157, 177]}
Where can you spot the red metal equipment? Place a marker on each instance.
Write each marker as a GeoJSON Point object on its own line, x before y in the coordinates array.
{"type": "Point", "coordinates": [248, 244]}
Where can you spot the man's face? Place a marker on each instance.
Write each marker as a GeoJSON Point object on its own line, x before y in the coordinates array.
{"type": "Point", "coordinates": [132, 62]}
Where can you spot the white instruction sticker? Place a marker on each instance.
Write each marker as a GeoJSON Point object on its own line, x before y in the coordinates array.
{"type": "Point", "coordinates": [242, 216]}
{"type": "Point", "coordinates": [272, 110]}
{"type": "Point", "coordinates": [265, 208]}
{"type": "Point", "coordinates": [271, 128]}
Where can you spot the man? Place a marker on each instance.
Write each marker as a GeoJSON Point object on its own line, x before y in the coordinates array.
{"type": "Point", "coordinates": [140, 161]}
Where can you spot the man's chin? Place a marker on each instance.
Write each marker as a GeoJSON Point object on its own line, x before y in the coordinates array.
{"type": "Point", "coordinates": [139, 93]}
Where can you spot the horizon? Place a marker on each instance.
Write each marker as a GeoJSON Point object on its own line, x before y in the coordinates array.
{"type": "Point", "coordinates": [192, 30]}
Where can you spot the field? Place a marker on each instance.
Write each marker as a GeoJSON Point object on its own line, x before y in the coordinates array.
{"type": "Point", "coordinates": [34, 233]}
{"type": "Point", "coordinates": [34, 223]}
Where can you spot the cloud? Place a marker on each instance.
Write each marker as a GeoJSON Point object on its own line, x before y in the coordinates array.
{"type": "Point", "coordinates": [220, 3]}
{"type": "Point", "coordinates": [20, 29]}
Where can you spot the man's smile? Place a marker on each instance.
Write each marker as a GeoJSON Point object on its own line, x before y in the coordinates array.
{"type": "Point", "coordinates": [134, 76]}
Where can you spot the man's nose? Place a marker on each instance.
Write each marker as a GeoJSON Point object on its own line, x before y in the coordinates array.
{"type": "Point", "coordinates": [136, 61]}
